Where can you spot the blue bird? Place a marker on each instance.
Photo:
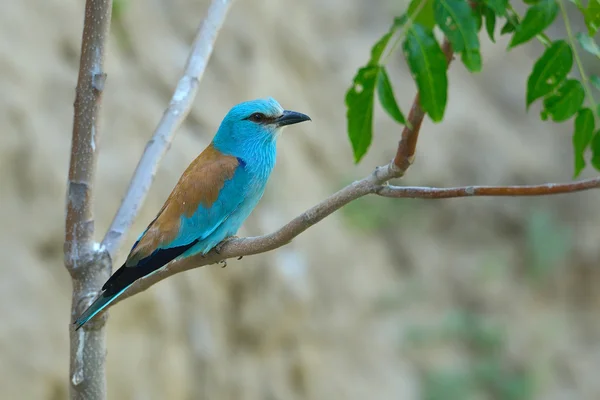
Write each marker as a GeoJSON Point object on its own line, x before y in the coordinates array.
{"type": "Point", "coordinates": [213, 197]}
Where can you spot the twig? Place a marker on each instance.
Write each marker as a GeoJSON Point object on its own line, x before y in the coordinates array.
{"type": "Point", "coordinates": [254, 245]}
{"type": "Point", "coordinates": [179, 107]}
{"type": "Point", "coordinates": [471, 191]}
{"type": "Point", "coordinates": [372, 184]}
{"type": "Point", "coordinates": [89, 267]}
{"type": "Point", "coordinates": [410, 134]}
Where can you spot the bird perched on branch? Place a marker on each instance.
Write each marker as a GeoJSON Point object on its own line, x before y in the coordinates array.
{"type": "Point", "coordinates": [213, 197]}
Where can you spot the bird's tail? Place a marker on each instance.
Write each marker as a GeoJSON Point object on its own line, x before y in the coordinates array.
{"type": "Point", "coordinates": [126, 276]}
{"type": "Point", "coordinates": [103, 300]}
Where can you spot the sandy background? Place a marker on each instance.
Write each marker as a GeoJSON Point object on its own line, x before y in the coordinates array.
{"type": "Point", "coordinates": [388, 299]}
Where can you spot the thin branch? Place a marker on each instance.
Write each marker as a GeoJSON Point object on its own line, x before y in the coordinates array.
{"type": "Point", "coordinates": [471, 191]}
{"type": "Point", "coordinates": [179, 107]}
{"type": "Point", "coordinates": [372, 184]}
{"type": "Point", "coordinates": [89, 267]}
{"type": "Point", "coordinates": [238, 247]}
{"type": "Point", "coordinates": [410, 134]}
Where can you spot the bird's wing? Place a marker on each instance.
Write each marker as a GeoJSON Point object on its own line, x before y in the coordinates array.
{"type": "Point", "coordinates": [207, 193]}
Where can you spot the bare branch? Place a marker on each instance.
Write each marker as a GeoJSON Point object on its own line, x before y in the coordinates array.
{"type": "Point", "coordinates": [372, 184]}
{"type": "Point", "coordinates": [410, 134]}
{"type": "Point", "coordinates": [470, 191]}
{"type": "Point", "coordinates": [88, 265]}
{"type": "Point", "coordinates": [179, 107]}
{"type": "Point", "coordinates": [238, 247]}
{"type": "Point", "coordinates": [79, 230]}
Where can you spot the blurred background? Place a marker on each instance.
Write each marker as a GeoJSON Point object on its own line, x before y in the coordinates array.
{"type": "Point", "coordinates": [477, 298]}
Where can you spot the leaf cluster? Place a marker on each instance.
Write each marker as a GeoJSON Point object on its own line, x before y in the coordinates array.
{"type": "Point", "coordinates": [563, 97]}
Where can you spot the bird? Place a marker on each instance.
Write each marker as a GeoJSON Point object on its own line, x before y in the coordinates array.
{"type": "Point", "coordinates": [211, 200]}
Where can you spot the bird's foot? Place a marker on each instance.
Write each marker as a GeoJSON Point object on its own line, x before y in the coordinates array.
{"type": "Point", "coordinates": [223, 263]}
{"type": "Point", "coordinates": [223, 242]}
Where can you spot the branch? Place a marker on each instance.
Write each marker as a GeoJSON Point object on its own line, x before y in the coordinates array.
{"type": "Point", "coordinates": [372, 184]}
{"type": "Point", "coordinates": [238, 247]}
{"type": "Point", "coordinates": [79, 229]}
{"type": "Point", "coordinates": [179, 107]}
{"type": "Point", "coordinates": [471, 191]}
{"type": "Point", "coordinates": [89, 267]}
{"type": "Point", "coordinates": [405, 155]}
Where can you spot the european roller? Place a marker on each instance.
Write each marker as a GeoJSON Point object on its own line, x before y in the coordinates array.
{"type": "Point", "coordinates": [211, 200]}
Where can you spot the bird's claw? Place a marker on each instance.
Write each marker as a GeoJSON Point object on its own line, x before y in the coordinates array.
{"type": "Point", "coordinates": [223, 242]}
{"type": "Point", "coordinates": [219, 247]}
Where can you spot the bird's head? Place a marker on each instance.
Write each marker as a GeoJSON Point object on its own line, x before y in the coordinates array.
{"type": "Point", "coordinates": [253, 123]}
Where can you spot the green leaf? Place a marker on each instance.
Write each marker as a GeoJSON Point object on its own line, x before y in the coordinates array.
{"type": "Point", "coordinates": [591, 16]}
{"type": "Point", "coordinates": [478, 17]}
{"type": "Point", "coordinates": [359, 114]}
{"type": "Point", "coordinates": [508, 27]}
{"type": "Point", "coordinates": [386, 96]}
{"type": "Point", "coordinates": [536, 20]}
{"type": "Point", "coordinates": [456, 19]}
{"type": "Point", "coordinates": [472, 59]}
{"type": "Point", "coordinates": [588, 44]}
{"type": "Point", "coordinates": [549, 71]}
{"type": "Point", "coordinates": [565, 102]}
{"type": "Point", "coordinates": [595, 79]}
{"type": "Point", "coordinates": [596, 151]}
{"type": "Point", "coordinates": [360, 96]}
{"type": "Point", "coordinates": [490, 23]}
{"type": "Point", "coordinates": [497, 6]}
{"type": "Point", "coordinates": [584, 129]}
{"type": "Point", "coordinates": [428, 66]}
{"type": "Point", "coordinates": [379, 47]}
{"type": "Point", "coordinates": [421, 12]}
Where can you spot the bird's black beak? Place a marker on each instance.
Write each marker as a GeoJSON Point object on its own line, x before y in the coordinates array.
{"type": "Point", "coordinates": [291, 117]}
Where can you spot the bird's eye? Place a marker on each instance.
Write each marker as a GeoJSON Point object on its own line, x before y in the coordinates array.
{"type": "Point", "coordinates": [257, 117]}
